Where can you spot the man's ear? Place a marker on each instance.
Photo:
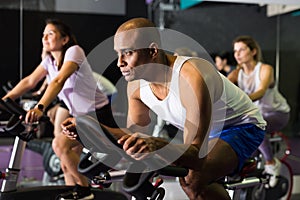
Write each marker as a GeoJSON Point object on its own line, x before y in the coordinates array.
{"type": "Point", "coordinates": [153, 49]}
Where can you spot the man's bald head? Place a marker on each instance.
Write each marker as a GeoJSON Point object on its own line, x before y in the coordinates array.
{"type": "Point", "coordinates": [135, 23]}
{"type": "Point", "coordinates": [141, 30]}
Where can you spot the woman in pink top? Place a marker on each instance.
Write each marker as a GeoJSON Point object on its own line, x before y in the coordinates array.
{"type": "Point", "coordinates": [66, 68]}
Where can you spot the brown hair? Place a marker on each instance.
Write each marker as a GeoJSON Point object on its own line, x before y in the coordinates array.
{"type": "Point", "coordinates": [252, 44]}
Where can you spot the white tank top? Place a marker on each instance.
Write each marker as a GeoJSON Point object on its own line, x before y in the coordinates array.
{"type": "Point", "coordinates": [231, 106]}
{"type": "Point", "coordinates": [272, 101]}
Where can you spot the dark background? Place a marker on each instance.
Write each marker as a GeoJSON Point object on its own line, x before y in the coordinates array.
{"type": "Point", "coordinates": [212, 25]}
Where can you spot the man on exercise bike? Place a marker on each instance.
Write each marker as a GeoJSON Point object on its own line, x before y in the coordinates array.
{"type": "Point", "coordinates": [221, 126]}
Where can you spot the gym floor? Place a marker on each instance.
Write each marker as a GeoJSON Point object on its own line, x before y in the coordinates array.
{"type": "Point", "coordinates": [33, 167]}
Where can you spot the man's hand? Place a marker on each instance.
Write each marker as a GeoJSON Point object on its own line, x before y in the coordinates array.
{"type": "Point", "coordinates": [137, 145]}
{"type": "Point", "coordinates": [190, 184]}
{"type": "Point", "coordinates": [69, 128]}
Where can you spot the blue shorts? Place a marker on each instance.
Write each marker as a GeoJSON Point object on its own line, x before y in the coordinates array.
{"type": "Point", "coordinates": [244, 140]}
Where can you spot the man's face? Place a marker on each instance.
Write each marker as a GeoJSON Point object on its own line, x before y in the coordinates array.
{"type": "Point", "coordinates": [132, 56]}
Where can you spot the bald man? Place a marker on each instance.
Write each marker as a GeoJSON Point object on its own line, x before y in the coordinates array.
{"type": "Point", "coordinates": [221, 126]}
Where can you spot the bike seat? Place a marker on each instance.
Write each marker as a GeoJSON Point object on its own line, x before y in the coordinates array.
{"type": "Point", "coordinates": [248, 168]}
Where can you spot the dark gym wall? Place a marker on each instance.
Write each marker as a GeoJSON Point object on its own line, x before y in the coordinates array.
{"type": "Point", "coordinates": [89, 29]}
{"type": "Point", "coordinates": [290, 66]}
{"type": "Point", "coordinates": [215, 25]}
{"type": "Point", "coordinates": [9, 26]}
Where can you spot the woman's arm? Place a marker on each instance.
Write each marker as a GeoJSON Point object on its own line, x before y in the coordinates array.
{"type": "Point", "coordinates": [56, 85]}
{"type": "Point", "coordinates": [233, 76]}
{"type": "Point", "coordinates": [41, 89]}
{"type": "Point", "coordinates": [27, 83]}
{"type": "Point", "coordinates": [267, 78]}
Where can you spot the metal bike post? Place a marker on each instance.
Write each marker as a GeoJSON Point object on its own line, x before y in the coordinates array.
{"type": "Point", "coordinates": [14, 167]}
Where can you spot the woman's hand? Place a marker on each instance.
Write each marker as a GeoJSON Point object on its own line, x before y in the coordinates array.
{"type": "Point", "coordinates": [69, 128]}
{"type": "Point", "coordinates": [33, 115]}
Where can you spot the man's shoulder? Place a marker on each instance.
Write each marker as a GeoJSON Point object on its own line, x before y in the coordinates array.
{"type": "Point", "coordinates": [133, 88]}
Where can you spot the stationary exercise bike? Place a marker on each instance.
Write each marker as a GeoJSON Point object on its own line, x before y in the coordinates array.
{"type": "Point", "coordinates": [24, 133]}
{"type": "Point", "coordinates": [137, 177]}
{"type": "Point", "coordinates": [38, 142]}
{"type": "Point", "coordinates": [252, 184]}
{"type": "Point", "coordinates": [249, 184]}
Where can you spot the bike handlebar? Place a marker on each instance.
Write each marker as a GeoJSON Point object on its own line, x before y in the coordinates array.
{"type": "Point", "coordinates": [15, 124]}
{"type": "Point", "coordinates": [137, 179]}
{"type": "Point", "coordinates": [93, 134]}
